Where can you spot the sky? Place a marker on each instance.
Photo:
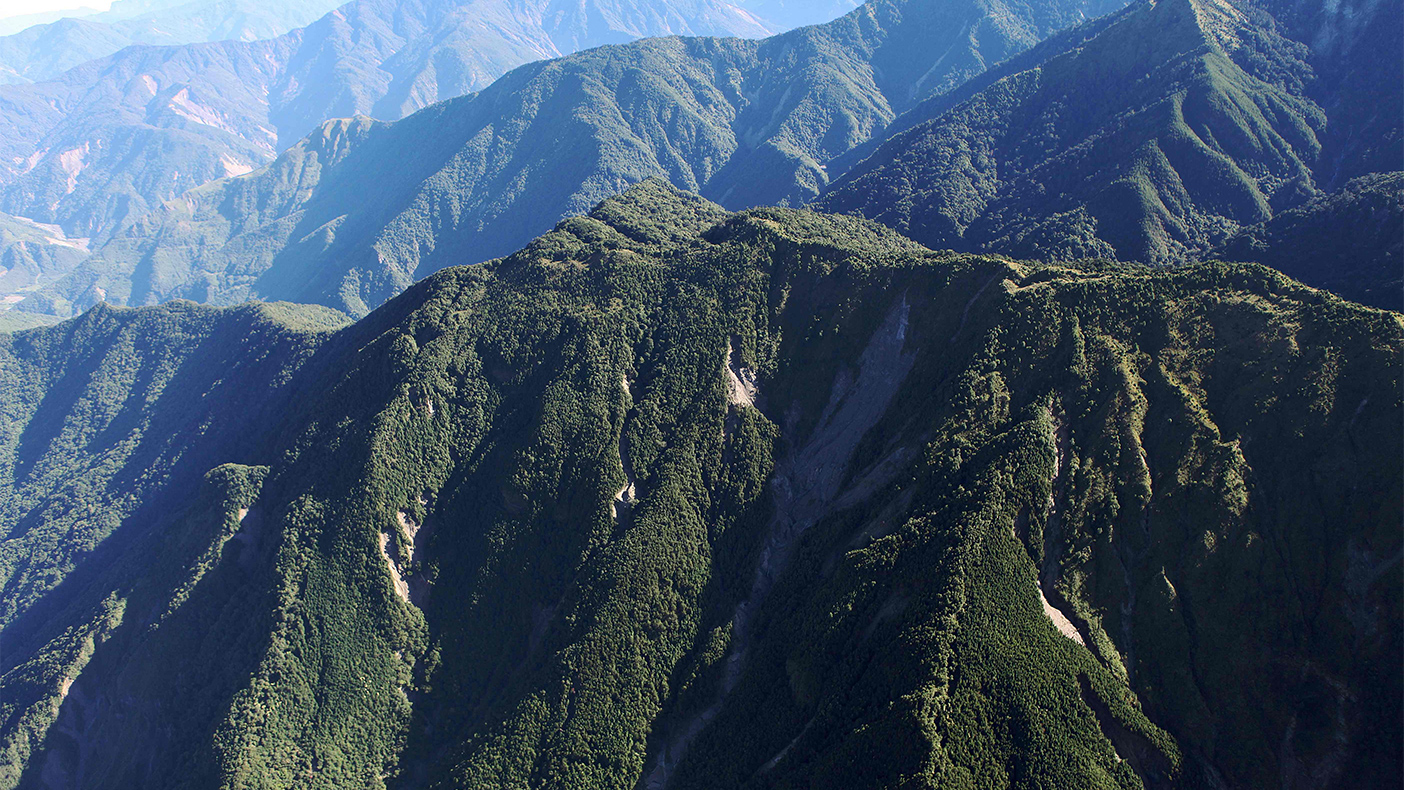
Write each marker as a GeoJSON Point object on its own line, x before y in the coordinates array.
{"type": "Point", "coordinates": [9, 8]}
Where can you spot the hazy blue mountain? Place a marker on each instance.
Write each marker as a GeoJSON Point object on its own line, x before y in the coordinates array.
{"type": "Point", "coordinates": [108, 140]}
{"type": "Point", "coordinates": [43, 52]}
{"type": "Point", "coordinates": [788, 14]}
{"type": "Point", "coordinates": [1156, 139]}
{"type": "Point", "coordinates": [15, 321]}
{"type": "Point", "coordinates": [354, 213]}
{"type": "Point", "coordinates": [33, 255]}
{"type": "Point", "coordinates": [677, 499]}
{"type": "Point", "coordinates": [116, 136]}
{"type": "Point", "coordinates": [14, 24]}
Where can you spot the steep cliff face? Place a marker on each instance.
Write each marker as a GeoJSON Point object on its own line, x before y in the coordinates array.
{"type": "Point", "coordinates": [889, 518]}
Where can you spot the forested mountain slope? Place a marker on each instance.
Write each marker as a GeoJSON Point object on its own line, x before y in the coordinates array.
{"type": "Point", "coordinates": [104, 142]}
{"type": "Point", "coordinates": [357, 211]}
{"type": "Point", "coordinates": [676, 498]}
{"type": "Point", "coordinates": [1164, 134]}
{"type": "Point", "coordinates": [107, 423]}
{"type": "Point", "coordinates": [1350, 241]}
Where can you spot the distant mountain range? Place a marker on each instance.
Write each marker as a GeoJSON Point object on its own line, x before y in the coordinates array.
{"type": "Point", "coordinates": [42, 52]}
{"type": "Point", "coordinates": [354, 213]}
{"type": "Point", "coordinates": [1083, 142]}
{"type": "Point", "coordinates": [788, 14]}
{"type": "Point", "coordinates": [104, 142]}
{"type": "Point", "coordinates": [32, 254]}
{"type": "Point", "coordinates": [40, 47]}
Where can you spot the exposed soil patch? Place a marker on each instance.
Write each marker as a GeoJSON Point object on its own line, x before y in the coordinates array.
{"type": "Point", "coordinates": [627, 496]}
{"type": "Point", "coordinates": [412, 587]}
{"type": "Point", "coordinates": [807, 485]}
{"type": "Point", "coordinates": [1133, 748]}
{"type": "Point", "coordinates": [741, 381]}
{"type": "Point", "coordinates": [1052, 533]}
{"type": "Point", "coordinates": [401, 586]}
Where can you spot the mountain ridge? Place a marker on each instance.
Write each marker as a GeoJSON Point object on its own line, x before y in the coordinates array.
{"type": "Point", "coordinates": [104, 142]}
{"type": "Point", "coordinates": [44, 51]}
{"type": "Point", "coordinates": [1058, 161]}
{"type": "Point", "coordinates": [440, 558]}
{"type": "Point", "coordinates": [744, 123]}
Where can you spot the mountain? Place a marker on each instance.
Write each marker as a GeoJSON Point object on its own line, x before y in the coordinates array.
{"type": "Point", "coordinates": [44, 51]}
{"type": "Point", "coordinates": [354, 213]}
{"type": "Point", "coordinates": [790, 14]}
{"type": "Point", "coordinates": [101, 144]}
{"type": "Point", "coordinates": [10, 25]}
{"type": "Point", "coordinates": [46, 45]}
{"type": "Point", "coordinates": [1350, 242]}
{"type": "Point", "coordinates": [15, 321]}
{"type": "Point", "coordinates": [100, 417]}
{"type": "Point", "coordinates": [32, 255]}
{"type": "Point", "coordinates": [679, 498]}
{"type": "Point", "coordinates": [1156, 139]}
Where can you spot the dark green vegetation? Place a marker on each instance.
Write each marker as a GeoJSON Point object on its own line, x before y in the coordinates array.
{"type": "Point", "coordinates": [109, 423]}
{"type": "Point", "coordinates": [353, 214]}
{"type": "Point", "coordinates": [677, 498]}
{"type": "Point", "coordinates": [1350, 242]}
{"type": "Point", "coordinates": [1177, 124]}
{"type": "Point", "coordinates": [105, 142]}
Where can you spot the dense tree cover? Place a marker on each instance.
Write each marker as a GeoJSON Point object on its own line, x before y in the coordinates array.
{"type": "Point", "coordinates": [1350, 242]}
{"type": "Point", "coordinates": [1173, 126]}
{"type": "Point", "coordinates": [106, 424]}
{"type": "Point", "coordinates": [680, 498]}
{"type": "Point", "coordinates": [13, 320]}
{"type": "Point", "coordinates": [358, 210]}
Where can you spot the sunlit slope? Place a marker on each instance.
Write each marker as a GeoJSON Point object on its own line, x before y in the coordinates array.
{"type": "Point", "coordinates": [1168, 131]}
{"type": "Point", "coordinates": [682, 498]}
{"type": "Point", "coordinates": [96, 146]}
{"type": "Point", "coordinates": [357, 211]}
